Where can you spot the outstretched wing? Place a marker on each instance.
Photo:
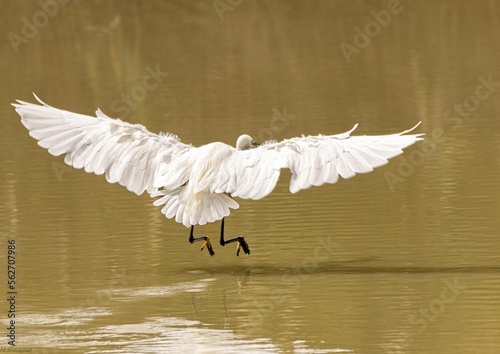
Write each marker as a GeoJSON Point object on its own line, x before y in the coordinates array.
{"type": "Point", "coordinates": [127, 153]}
{"type": "Point", "coordinates": [312, 160]}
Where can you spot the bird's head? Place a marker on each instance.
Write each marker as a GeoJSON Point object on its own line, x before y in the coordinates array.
{"type": "Point", "coordinates": [246, 142]}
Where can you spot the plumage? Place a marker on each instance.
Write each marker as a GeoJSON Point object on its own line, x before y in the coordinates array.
{"type": "Point", "coordinates": [196, 185]}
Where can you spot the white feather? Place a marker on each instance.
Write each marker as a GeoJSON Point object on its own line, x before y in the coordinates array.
{"type": "Point", "coordinates": [194, 184]}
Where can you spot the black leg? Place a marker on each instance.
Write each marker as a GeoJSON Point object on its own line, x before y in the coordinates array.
{"type": "Point", "coordinates": [240, 239]}
{"type": "Point", "coordinates": [202, 238]}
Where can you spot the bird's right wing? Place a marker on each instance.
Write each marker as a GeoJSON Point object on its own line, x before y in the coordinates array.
{"type": "Point", "coordinates": [312, 160]}
{"type": "Point", "coordinates": [127, 153]}
{"type": "Point", "coordinates": [315, 160]}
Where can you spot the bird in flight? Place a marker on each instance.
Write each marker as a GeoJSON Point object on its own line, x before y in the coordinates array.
{"type": "Point", "coordinates": [197, 185]}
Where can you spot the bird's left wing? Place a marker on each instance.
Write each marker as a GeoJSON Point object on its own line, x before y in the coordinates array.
{"type": "Point", "coordinates": [312, 160]}
{"type": "Point", "coordinates": [127, 153]}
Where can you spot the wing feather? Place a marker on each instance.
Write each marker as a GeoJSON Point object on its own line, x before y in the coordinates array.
{"type": "Point", "coordinates": [161, 165]}
{"type": "Point", "coordinates": [312, 160]}
{"type": "Point", "coordinates": [126, 153]}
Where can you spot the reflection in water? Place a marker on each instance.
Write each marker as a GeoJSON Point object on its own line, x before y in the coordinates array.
{"type": "Point", "coordinates": [357, 266]}
{"type": "Point", "coordinates": [79, 328]}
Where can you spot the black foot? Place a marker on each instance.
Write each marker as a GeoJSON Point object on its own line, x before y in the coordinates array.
{"type": "Point", "coordinates": [242, 244]}
{"type": "Point", "coordinates": [208, 244]}
{"type": "Point", "coordinates": [205, 238]}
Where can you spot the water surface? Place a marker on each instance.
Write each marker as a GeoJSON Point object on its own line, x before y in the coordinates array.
{"type": "Point", "coordinates": [402, 260]}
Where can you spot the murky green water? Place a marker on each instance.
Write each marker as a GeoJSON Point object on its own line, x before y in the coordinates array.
{"type": "Point", "coordinates": [401, 260]}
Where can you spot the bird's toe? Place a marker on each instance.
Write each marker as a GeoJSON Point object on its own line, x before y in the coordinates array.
{"type": "Point", "coordinates": [209, 247]}
{"type": "Point", "coordinates": [242, 244]}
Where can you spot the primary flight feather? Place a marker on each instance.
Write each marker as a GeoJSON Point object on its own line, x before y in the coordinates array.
{"type": "Point", "coordinates": [196, 185]}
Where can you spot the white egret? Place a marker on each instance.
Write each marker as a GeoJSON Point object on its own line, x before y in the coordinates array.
{"type": "Point", "coordinates": [197, 184]}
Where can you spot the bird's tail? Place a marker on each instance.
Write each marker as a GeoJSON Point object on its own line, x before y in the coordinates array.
{"type": "Point", "coordinates": [194, 208]}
